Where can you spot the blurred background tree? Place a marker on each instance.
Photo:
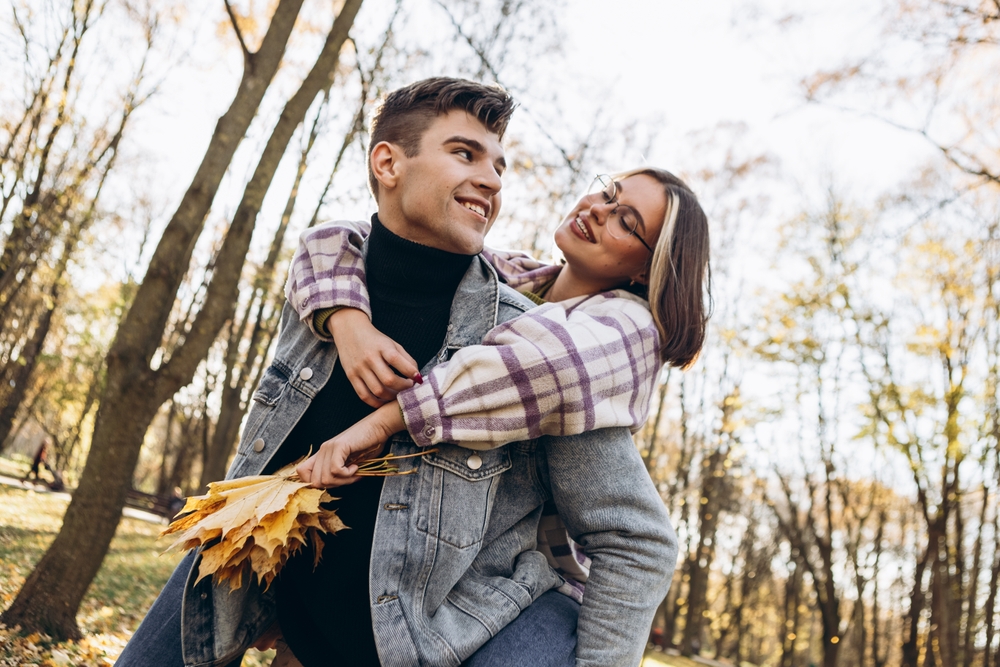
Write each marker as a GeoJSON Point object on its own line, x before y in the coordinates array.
{"type": "Point", "coordinates": [831, 463]}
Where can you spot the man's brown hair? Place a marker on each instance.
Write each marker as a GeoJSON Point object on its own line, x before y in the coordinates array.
{"type": "Point", "coordinates": [406, 113]}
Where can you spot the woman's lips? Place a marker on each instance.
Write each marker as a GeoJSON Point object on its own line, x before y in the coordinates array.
{"type": "Point", "coordinates": [582, 229]}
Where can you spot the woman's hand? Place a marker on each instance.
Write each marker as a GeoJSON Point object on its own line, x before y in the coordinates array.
{"type": "Point", "coordinates": [337, 459]}
{"type": "Point", "coordinates": [369, 357]}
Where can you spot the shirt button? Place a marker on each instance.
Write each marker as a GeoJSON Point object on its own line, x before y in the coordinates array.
{"type": "Point", "coordinates": [475, 462]}
{"type": "Point", "coordinates": [258, 445]}
{"type": "Point", "coordinates": [306, 373]}
{"type": "Point", "coordinates": [429, 431]}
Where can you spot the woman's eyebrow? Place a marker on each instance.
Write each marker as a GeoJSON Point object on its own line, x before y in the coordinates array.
{"type": "Point", "coordinates": [621, 191]}
{"type": "Point", "coordinates": [476, 146]}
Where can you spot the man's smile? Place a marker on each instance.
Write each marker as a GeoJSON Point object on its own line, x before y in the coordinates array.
{"type": "Point", "coordinates": [482, 209]}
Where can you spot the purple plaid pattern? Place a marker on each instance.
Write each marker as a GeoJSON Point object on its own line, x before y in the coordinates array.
{"type": "Point", "coordinates": [522, 272]}
{"type": "Point", "coordinates": [564, 555]}
{"type": "Point", "coordinates": [328, 271]}
{"type": "Point", "coordinates": [560, 369]}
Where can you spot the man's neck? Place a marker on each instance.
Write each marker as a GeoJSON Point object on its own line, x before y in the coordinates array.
{"type": "Point", "coordinates": [396, 264]}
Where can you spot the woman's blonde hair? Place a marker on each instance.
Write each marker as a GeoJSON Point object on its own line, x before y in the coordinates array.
{"type": "Point", "coordinates": [679, 288]}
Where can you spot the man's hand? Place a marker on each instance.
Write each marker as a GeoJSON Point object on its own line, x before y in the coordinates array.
{"type": "Point", "coordinates": [337, 459]}
{"type": "Point", "coordinates": [369, 357]}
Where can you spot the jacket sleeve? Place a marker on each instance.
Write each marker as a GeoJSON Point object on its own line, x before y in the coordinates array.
{"type": "Point", "coordinates": [560, 369]}
{"type": "Point", "coordinates": [328, 271]}
{"type": "Point", "coordinates": [610, 506]}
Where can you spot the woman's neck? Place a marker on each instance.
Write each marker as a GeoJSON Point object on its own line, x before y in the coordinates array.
{"type": "Point", "coordinates": [568, 284]}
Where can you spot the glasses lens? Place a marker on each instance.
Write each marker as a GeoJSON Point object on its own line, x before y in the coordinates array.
{"type": "Point", "coordinates": [622, 222]}
{"type": "Point", "coordinates": [605, 185]}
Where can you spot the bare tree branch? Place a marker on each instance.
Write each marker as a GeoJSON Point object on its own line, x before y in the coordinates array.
{"type": "Point", "coordinates": [247, 55]}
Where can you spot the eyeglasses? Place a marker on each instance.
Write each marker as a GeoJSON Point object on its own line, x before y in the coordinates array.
{"type": "Point", "coordinates": [623, 219]}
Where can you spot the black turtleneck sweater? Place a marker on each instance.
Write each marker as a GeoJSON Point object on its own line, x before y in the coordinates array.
{"type": "Point", "coordinates": [325, 614]}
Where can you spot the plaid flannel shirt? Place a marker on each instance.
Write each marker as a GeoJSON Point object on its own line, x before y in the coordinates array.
{"type": "Point", "coordinates": [560, 369]}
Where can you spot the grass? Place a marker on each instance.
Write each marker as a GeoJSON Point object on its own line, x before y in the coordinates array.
{"type": "Point", "coordinates": [126, 585]}
{"type": "Point", "coordinates": [658, 659]}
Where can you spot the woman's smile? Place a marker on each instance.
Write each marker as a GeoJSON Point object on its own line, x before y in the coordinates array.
{"type": "Point", "coordinates": [582, 229]}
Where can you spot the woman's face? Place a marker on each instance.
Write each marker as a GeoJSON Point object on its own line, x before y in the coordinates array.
{"type": "Point", "coordinates": [610, 258]}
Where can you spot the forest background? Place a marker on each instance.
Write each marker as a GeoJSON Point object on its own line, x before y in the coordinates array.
{"type": "Point", "coordinates": [831, 463]}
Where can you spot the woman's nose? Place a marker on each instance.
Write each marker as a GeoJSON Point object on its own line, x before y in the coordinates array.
{"type": "Point", "coordinates": [601, 210]}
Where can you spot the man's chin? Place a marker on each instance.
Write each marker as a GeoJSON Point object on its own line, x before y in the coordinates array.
{"type": "Point", "coordinates": [467, 244]}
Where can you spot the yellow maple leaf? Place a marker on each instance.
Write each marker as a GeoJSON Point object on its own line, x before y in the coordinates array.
{"type": "Point", "coordinates": [256, 522]}
{"type": "Point", "coordinates": [260, 522]}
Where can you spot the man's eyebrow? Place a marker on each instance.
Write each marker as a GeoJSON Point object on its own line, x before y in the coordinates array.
{"type": "Point", "coordinates": [621, 191]}
{"type": "Point", "coordinates": [474, 145]}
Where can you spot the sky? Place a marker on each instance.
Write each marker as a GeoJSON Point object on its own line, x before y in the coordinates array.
{"type": "Point", "coordinates": [672, 66]}
{"type": "Point", "coordinates": [675, 71]}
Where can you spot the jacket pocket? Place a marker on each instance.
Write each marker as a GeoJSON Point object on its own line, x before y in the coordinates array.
{"type": "Point", "coordinates": [264, 398]}
{"type": "Point", "coordinates": [457, 494]}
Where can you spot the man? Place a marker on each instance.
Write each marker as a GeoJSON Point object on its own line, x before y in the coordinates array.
{"type": "Point", "coordinates": [436, 563]}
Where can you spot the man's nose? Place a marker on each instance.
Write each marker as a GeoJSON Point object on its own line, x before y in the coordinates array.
{"type": "Point", "coordinates": [489, 180]}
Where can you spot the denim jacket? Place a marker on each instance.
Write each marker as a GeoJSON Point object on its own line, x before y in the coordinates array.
{"type": "Point", "coordinates": [454, 557]}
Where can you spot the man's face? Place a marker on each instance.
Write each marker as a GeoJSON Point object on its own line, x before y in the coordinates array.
{"type": "Point", "coordinates": [447, 195]}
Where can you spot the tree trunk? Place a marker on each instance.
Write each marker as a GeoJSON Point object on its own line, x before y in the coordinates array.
{"type": "Point", "coordinates": [92, 392]}
{"type": "Point", "coordinates": [25, 366]}
{"type": "Point", "coordinates": [51, 595]}
{"type": "Point", "coordinates": [911, 647]}
{"type": "Point", "coordinates": [232, 406]}
{"type": "Point", "coordinates": [704, 554]}
{"type": "Point", "coordinates": [790, 625]}
{"type": "Point", "coordinates": [29, 354]}
{"type": "Point", "coordinates": [163, 479]}
{"type": "Point", "coordinates": [991, 598]}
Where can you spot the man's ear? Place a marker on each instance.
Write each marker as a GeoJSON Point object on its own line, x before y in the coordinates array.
{"type": "Point", "coordinates": [385, 163]}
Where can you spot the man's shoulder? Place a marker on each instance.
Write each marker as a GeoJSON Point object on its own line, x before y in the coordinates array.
{"type": "Point", "coordinates": [512, 303]}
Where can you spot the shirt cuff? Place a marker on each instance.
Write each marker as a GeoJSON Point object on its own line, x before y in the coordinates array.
{"type": "Point", "coordinates": [319, 321]}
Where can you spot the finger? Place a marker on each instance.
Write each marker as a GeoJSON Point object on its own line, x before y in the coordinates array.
{"type": "Point", "coordinates": [375, 385]}
{"type": "Point", "coordinates": [343, 481]}
{"type": "Point", "coordinates": [402, 362]}
{"type": "Point", "coordinates": [305, 469]}
{"type": "Point", "coordinates": [361, 389]}
{"type": "Point", "coordinates": [392, 382]}
{"type": "Point", "coordinates": [316, 479]}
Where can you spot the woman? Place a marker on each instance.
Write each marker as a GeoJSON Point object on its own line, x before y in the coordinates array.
{"type": "Point", "coordinates": [630, 297]}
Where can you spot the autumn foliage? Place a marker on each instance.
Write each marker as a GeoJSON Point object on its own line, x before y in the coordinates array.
{"type": "Point", "coordinates": [257, 521]}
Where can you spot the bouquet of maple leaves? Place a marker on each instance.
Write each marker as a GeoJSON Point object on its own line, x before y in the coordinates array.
{"type": "Point", "coordinates": [261, 521]}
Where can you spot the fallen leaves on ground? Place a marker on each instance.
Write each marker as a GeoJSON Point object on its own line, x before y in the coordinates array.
{"type": "Point", "coordinates": [258, 521]}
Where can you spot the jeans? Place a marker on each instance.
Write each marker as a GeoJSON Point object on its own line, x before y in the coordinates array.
{"type": "Point", "coordinates": [157, 642]}
{"type": "Point", "coordinates": [544, 635]}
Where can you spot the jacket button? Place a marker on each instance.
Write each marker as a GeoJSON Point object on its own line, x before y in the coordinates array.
{"type": "Point", "coordinates": [306, 373]}
{"type": "Point", "coordinates": [475, 462]}
{"type": "Point", "coordinates": [258, 445]}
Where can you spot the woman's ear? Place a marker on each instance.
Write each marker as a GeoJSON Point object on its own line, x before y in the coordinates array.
{"type": "Point", "coordinates": [641, 278]}
{"type": "Point", "coordinates": [385, 165]}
